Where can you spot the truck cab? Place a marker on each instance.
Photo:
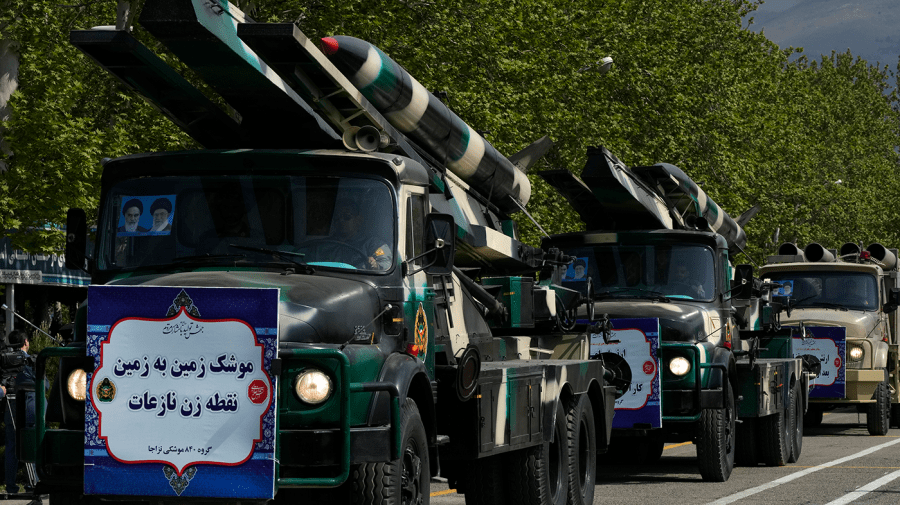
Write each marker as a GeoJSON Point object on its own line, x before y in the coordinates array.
{"type": "Point", "coordinates": [656, 246]}
{"type": "Point", "coordinates": [857, 289]}
{"type": "Point", "coordinates": [681, 277]}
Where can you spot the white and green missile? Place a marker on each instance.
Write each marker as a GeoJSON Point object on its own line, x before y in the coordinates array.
{"type": "Point", "coordinates": [410, 108]}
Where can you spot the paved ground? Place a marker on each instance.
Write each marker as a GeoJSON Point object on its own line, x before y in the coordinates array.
{"type": "Point", "coordinates": [840, 463]}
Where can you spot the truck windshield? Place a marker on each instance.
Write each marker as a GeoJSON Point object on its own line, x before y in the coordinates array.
{"type": "Point", "coordinates": [330, 222]}
{"type": "Point", "coordinates": [645, 271]}
{"type": "Point", "coordinates": [850, 290]}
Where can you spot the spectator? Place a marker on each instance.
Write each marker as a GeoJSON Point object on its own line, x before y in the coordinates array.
{"type": "Point", "coordinates": [18, 342]}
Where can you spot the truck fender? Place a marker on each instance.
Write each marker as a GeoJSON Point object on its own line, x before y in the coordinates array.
{"type": "Point", "coordinates": [411, 378]}
{"type": "Point", "coordinates": [603, 400]}
{"type": "Point", "coordinates": [880, 355]}
{"type": "Point", "coordinates": [549, 405]}
{"type": "Point", "coordinates": [718, 376]}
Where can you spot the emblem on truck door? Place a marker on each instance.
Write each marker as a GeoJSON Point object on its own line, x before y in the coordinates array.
{"type": "Point", "coordinates": [421, 331]}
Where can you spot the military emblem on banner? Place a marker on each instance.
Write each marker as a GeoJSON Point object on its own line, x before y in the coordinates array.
{"type": "Point", "coordinates": [106, 390]}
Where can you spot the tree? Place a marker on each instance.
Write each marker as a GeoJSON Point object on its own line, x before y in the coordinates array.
{"type": "Point", "coordinates": [691, 85]}
{"type": "Point", "coordinates": [66, 116]}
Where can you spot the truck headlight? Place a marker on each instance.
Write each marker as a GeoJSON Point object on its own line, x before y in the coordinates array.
{"type": "Point", "coordinates": [679, 366]}
{"type": "Point", "coordinates": [856, 353]}
{"type": "Point", "coordinates": [312, 387]}
{"type": "Point", "coordinates": [76, 384]}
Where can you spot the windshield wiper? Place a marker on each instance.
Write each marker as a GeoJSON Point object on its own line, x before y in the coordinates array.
{"type": "Point", "coordinates": [794, 303]}
{"type": "Point", "coordinates": [207, 257]}
{"type": "Point", "coordinates": [830, 305]}
{"type": "Point", "coordinates": [285, 255]}
{"type": "Point", "coordinates": [654, 295]}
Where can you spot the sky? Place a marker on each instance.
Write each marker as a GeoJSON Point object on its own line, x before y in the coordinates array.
{"type": "Point", "coordinates": [869, 28]}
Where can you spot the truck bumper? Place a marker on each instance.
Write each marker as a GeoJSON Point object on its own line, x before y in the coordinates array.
{"type": "Point", "coordinates": [684, 405]}
{"type": "Point", "coordinates": [316, 458]}
{"type": "Point", "coordinates": [861, 386]}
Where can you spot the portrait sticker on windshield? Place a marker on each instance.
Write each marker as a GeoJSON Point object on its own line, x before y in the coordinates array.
{"type": "Point", "coordinates": [577, 271]}
{"type": "Point", "coordinates": [146, 215]}
{"type": "Point", "coordinates": [181, 400]}
{"type": "Point", "coordinates": [786, 289]}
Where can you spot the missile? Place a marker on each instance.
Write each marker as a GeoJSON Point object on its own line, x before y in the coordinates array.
{"type": "Point", "coordinates": [410, 108]}
{"type": "Point", "coordinates": [719, 220]}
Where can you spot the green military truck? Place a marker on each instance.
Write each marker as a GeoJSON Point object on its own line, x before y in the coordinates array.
{"type": "Point", "coordinates": [721, 365]}
{"type": "Point", "coordinates": [327, 302]}
{"type": "Point", "coordinates": [858, 289]}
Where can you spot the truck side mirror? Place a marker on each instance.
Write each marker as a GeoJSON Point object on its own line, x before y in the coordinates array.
{"type": "Point", "coordinates": [893, 300]}
{"type": "Point", "coordinates": [440, 244]}
{"type": "Point", "coordinates": [76, 239]}
{"type": "Point", "coordinates": [742, 286]}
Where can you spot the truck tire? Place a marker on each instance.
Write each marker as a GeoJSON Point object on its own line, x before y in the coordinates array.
{"type": "Point", "coordinates": [796, 423]}
{"type": "Point", "coordinates": [67, 498]}
{"type": "Point", "coordinates": [539, 475]}
{"type": "Point", "coordinates": [582, 435]}
{"type": "Point", "coordinates": [634, 450]}
{"type": "Point", "coordinates": [651, 447]}
{"type": "Point", "coordinates": [716, 440]}
{"type": "Point", "coordinates": [483, 481]}
{"type": "Point", "coordinates": [746, 453]}
{"type": "Point", "coordinates": [403, 480]}
{"type": "Point", "coordinates": [813, 417]}
{"type": "Point", "coordinates": [877, 418]}
{"type": "Point", "coordinates": [775, 437]}
{"type": "Point", "coordinates": [895, 415]}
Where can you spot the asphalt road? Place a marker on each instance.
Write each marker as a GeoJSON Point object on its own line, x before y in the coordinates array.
{"type": "Point", "coordinates": [840, 463]}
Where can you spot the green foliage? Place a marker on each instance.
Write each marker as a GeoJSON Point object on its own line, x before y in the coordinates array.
{"type": "Point", "coordinates": [691, 85]}
{"type": "Point", "coordinates": [66, 116]}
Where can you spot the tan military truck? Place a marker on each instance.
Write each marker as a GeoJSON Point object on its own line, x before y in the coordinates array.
{"type": "Point", "coordinates": [858, 289]}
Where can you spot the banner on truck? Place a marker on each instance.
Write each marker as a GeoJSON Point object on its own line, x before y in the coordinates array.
{"type": "Point", "coordinates": [635, 361]}
{"type": "Point", "coordinates": [181, 402]}
{"type": "Point", "coordinates": [826, 345]}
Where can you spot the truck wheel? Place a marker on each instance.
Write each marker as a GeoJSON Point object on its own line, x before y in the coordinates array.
{"type": "Point", "coordinates": [67, 498]}
{"type": "Point", "coordinates": [483, 481]}
{"type": "Point", "coordinates": [582, 434]}
{"type": "Point", "coordinates": [652, 447]}
{"type": "Point", "coordinates": [403, 480]}
{"type": "Point", "coordinates": [715, 440]}
{"type": "Point", "coordinates": [879, 412]}
{"type": "Point", "coordinates": [539, 475]}
{"type": "Point", "coordinates": [813, 417]}
{"type": "Point", "coordinates": [796, 423]}
{"type": "Point", "coordinates": [775, 437]}
{"type": "Point", "coordinates": [745, 453]}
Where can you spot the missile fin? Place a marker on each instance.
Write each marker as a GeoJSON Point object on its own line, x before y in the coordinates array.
{"type": "Point", "coordinates": [747, 215]}
{"type": "Point", "coordinates": [526, 158]}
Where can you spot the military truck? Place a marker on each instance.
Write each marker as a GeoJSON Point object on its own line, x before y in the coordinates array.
{"type": "Point", "coordinates": [657, 246]}
{"type": "Point", "coordinates": [856, 288]}
{"type": "Point", "coordinates": [242, 342]}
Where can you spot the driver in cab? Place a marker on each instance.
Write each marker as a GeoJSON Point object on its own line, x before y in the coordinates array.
{"type": "Point", "coordinates": [349, 231]}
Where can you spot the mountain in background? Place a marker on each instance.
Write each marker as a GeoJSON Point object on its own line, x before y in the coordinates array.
{"type": "Point", "coordinates": [869, 28]}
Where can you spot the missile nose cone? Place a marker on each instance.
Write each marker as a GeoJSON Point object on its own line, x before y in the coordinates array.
{"type": "Point", "coordinates": [329, 45]}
